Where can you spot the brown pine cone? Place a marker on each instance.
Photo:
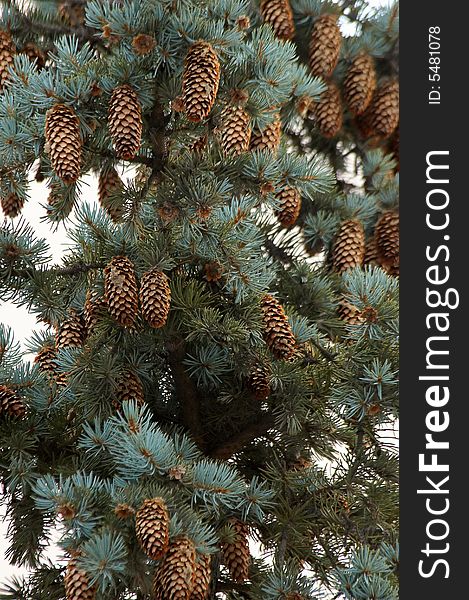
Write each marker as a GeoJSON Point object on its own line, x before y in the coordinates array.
{"type": "Point", "coordinates": [10, 402]}
{"type": "Point", "coordinates": [267, 140]}
{"type": "Point", "coordinates": [289, 206]}
{"type": "Point", "coordinates": [46, 360]}
{"type": "Point", "coordinates": [34, 53]}
{"type": "Point", "coordinates": [125, 121]}
{"type": "Point", "coordinates": [259, 383]}
{"type": "Point", "coordinates": [328, 112]}
{"type": "Point", "coordinates": [387, 238]}
{"type": "Point", "coordinates": [7, 52]}
{"type": "Point", "coordinates": [174, 579]}
{"type": "Point", "coordinates": [349, 313]}
{"type": "Point", "coordinates": [129, 388]}
{"type": "Point", "coordinates": [384, 109]}
{"type": "Point", "coordinates": [279, 15]}
{"type": "Point", "coordinates": [236, 554]}
{"type": "Point", "coordinates": [120, 291]}
{"type": "Point", "coordinates": [200, 81]}
{"type": "Point", "coordinates": [155, 297]}
{"type": "Point", "coordinates": [77, 583]}
{"type": "Point", "coordinates": [71, 333]}
{"type": "Point", "coordinates": [349, 246]}
{"type": "Point", "coordinates": [94, 310]}
{"type": "Point", "coordinates": [152, 527]}
{"type": "Point", "coordinates": [234, 131]}
{"type": "Point", "coordinates": [324, 47]}
{"type": "Point", "coordinates": [12, 205]}
{"type": "Point", "coordinates": [109, 186]}
{"type": "Point", "coordinates": [360, 83]}
{"type": "Point", "coordinates": [64, 142]}
{"type": "Point", "coordinates": [277, 331]}
{"type": "Point", "coordinates": [202, 577]}
{"type": "Point", "coordinates": [371, 253]}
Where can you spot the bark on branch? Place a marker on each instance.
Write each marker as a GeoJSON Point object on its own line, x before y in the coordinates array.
{"type": "Point", "coordinates": [238, 441]}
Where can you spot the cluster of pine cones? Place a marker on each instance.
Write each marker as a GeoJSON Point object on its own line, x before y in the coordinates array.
{"type": "Point", "coordinates": [182, 573]}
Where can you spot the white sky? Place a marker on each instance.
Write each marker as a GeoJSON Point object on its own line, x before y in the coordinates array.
{"type": "Point", "coordinates": [23, 323]}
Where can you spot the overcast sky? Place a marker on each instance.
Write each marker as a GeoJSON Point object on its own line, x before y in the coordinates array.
{"type": "Point", "coordinates": [22, 322]}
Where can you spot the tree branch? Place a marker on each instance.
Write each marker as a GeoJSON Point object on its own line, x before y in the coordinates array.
{"type": "Point", "coordinates": [236, 442]}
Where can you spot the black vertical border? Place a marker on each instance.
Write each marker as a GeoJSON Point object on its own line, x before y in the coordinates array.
{"type": "Point", "coordinates": [425, 128]}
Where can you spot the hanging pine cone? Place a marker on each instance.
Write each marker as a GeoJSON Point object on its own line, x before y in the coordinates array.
{"type": "Point", "coordinates": [46, 360]}
{"type": "Point", "coordinates": [289, 205]}
{"type": "Point", "coordinates": [77, 583]}
{"type": "Point", "coordinates": [202, 577]}
{"type": "Point", "coordinates": [94, 310]}
{"type": "Point", "coordinates": [277, 331]}
{"type": "Point", "coordinates": [152, 527]}
{"type": "Point", "coordinates": [129, 388]}
{"type": "Point", "coordinates": [12, 205]}
{"type": "Point", "coordinates": [259, 383]}
{"type": "Point", "coordinates": [125, 121]}
{"type": "Point", "coordinates": [10, 402]}
{"type": "Point", "coordinates": [34, 53]}
{"type": "Point", "coordinates": [349, 313]}
{"type": "Point", "coordinates": [387, 238]}
{"type": "Point", "coordinates": [234, 130]}
{"type": "Point", "coordinates": [109, 186]}
{"type": "Point", "coordinates": [155, 297]}
{"type": "Point", "coordinates": [72, 13]}
{"type": "Point", "coordinates": [64, 142]}
{"type": "Point", "coordinates": [120, 290]}
{"type": "Point", "coordinates": [71, 333]}
{"type": "Point", "coordinates": [360, 83]}
{"type": "Point", "coordinates": [200, 81]}
{"type": "Point", "coordinates": [267, 140]}
{"type": "Point", "coordinates": [235, 554]}
{"type": "Point", "coordinates": [349, 246]}
{"type": "Point", "coordinates": [371, 253]}
{"type": "Point", "coordinates": [174, 579]}
{"type": "Point", "coordinates": [384, 109]}
{"type": "Point", "coordinates": [279, 15]}
{"type": "Point", "coordinates": [328, 112]}
{"type": "Point", "coordinates": [7, 52]}
{"type": "Point", "coordinates": [324, 47]}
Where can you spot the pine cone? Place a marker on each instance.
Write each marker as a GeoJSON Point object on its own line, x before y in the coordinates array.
{"type": "Point", "coordinates": [277, 331]}
{"type": "Point", "coordinates": [202, 577]}
{"type": "Point", "coordinates": [279, 15]}
{"type": "Point", "coordinates": [129, 388]}
{"type": "Point", "coordinates": [387, 239]}
{"type": "Point", "coordinates": [234, 130]}
{"type": "Point", "coordinates": [64, 141]}
{"type": "Point", "coordinates": [200, 81]}
{"type": "Point", "coordinates": [349, 313]}
{"type": "Point", "coordinates": [77, 583]}
{"type": "Point", "coordinates": [94, 310]}
{"type": "Point", "coordinates": [371, 253]}
{"type": "Point", "coordinates": [152, 527]}
{"type": "Point", "coordinates": [12, 205]}
{"type": "Point", "coordinates": [267, 140]}
{"type": "Point", "coordinates": [174, 579]}
{"type": "Point", "coordinates": [155, 297]}
{"type": "Point", "coordinates": [120, 290]}
{"type": "Point", "coordinates": [71, 333]}
{"type": "Point", "coordinates": [349, 246]}
{"type": "Point", "coordinates": [324, 47]}
{"type": "Point", "coordinates": [46, 361]}
{"type": "Point", "coordinates": [235, 554]}
{"type": "Point", "coordinates": [34, 53]}
{"type": "Point", "coordinates": [7, 52]}
{"type": "Point", "coordinates": [328, 112]}
{"type": "Point", "coordinates": [360, 83]}
{"type": "Point", "coordinates": [259, 382]}
{"type": "Point", "coordinates": [72, 13]}
{"type": "Point", "coordinates": [10, 402]}
{"type": "Point", "coordinates": [384, 109]}
{"type": "Point", "coordinates": [289, 205]}
{"type": "Point", "coordinates": [109, 185]}
{"type": "Point", "coordinates": [125, 121]}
